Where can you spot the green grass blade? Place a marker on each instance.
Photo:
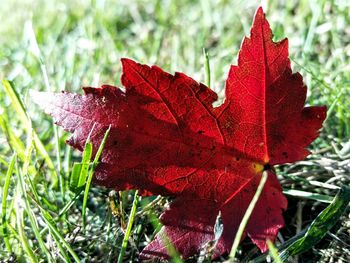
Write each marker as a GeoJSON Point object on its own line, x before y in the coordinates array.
{"type": "Point", "coordinates": [68, 205]}
{"type": "Point", "coordinates": [64, 209]}
{"type": "Point", "coordinates": [21, 112]}
{"type": "Point", "coordinates": [59, 163]}
{"type": "Point", "coordinates": [273, 252]}
{"type": "Point", "coordinates": [51, 224]}
{"type": "Point", "coordinates": [85, 165]}
{"type": "Point", "coordinates": [80, 170]}
{"type": "Point", "coordinates": [308, 195]}
{"type": "Point", "coordinates": [4, 203]}
{"type": "Point", "coordinates": [309, 237]}
{"type": "Point", "coordinates": [102, 145]}
{"type": "Point", "coordinates": [320, 226]}
{"type": "Point", "coordinates": [3, 161]}
{"type": "Point", "coordinates": [13, 232]}
{"type": "Point", "coordinates": [91, 172]}
{"type": "Point", "coordinates": [14, 142]}
{"type": "Point", "coordinates": [128, 228]}
{"type": "Point", "coordinates": [22, 237]}
{"type": "Point", "coordinates": [57, 239]}
{"type": "Point", "coordinates": [31, 217]}
{"type": "Point", "coordinates": [207, 68]}
{"type": "Point", "coordinates": [16, 102]}
{"type": "Point", "coordinates": [61, 248]}
{"type": "Point", "coordinates": [334, 103]}
{"type": "Point", "coordinates": [247, 215]}
{"type": "Point", "coordinates": [171, 250]}
{"type": "Point", "coordinates": [74, 177]}
{"type": "Point", "coordinates": [37, 53]}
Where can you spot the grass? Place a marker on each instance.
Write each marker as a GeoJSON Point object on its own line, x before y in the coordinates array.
{"type": "Point", "coordinates": [63, 45]}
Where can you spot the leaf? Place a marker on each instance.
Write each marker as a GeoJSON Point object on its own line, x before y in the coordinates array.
{"type": "Point", "coordinates": [166, 138]}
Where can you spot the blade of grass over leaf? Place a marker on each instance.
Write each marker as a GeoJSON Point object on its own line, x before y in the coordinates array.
{"type": "Point", "coordinates": [4, 203]}
{"type": "Point", "coordinates": [80, 170]}
{"type": "Point", "coordinates": [157, 225]}
{"type": "Point", "coordinates": [85, 164]}
{"type": "Point", "coordinates": [19, 108]}
{"type": "Point", "coordinates": [128, 228]}
{"type": "Point", "coordinates": [247, 215]}
{"type": "Point", "coordinates": [91, 172]}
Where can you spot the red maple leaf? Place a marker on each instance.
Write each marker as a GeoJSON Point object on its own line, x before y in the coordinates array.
{"type": "Point", "coordinates": [166, 138]}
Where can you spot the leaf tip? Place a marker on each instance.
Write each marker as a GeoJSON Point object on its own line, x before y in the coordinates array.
{"type": "Point", "coordinates": [260, 10]}
{"type": "Point", "coordinates": [259, 14]}
{"type": "Point", "coordinates": [260, 24]}
{"type": "Point", "coordinates": [126, 62]}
